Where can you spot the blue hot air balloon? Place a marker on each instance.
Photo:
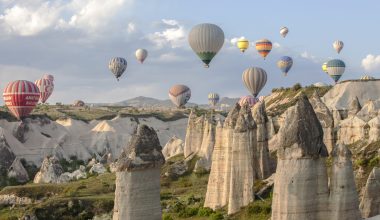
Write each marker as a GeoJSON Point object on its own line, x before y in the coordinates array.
{"type": "Point", "coordinates": [285, 64]}
{"type": "Point", "coordinates": [335, 69]}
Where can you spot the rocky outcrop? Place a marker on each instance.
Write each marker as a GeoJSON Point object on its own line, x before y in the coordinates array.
{"type": "Point", "coordinates": [206, 148]}
{"type": "Point", "coordinates": [173, 148]}
{"type": "Point", "coordinates": [50, 171]}
{"type": "Point", "coordinates": [370, 204]}
{"type": "Point", "coordinates": [194, 134]}
{"type": "Point", "coordinates": [76, 175]}
{"type": "Point", "coordinates": [374, 129]}
{"type": "Point", "coordinates": [137, 194]}
{"type": "Point", "coordinates": [326, 119]}
{"type": "Point", "coordinates": [6, 155]}
{"type": "Point", "coordinates": [352, 129]}
{"type": "Point", "coordinates": [354, 107]}
{"type": "Point", "coordinates": [300, 185]}
{"type": "Point", "coordinates": [368, 111]}
{"type": "Point", "coordinates": [18, 172]}
{"type": "Point", "coordinates": [344, 199]}
{"type": "Point", "coordinates": [97, 168]}
{"type": "Point", "coordinates": [11, 199]}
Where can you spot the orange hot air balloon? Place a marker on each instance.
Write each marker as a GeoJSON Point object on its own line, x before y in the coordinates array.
{"type": "Point", "coordinates": [263, 47]}
{"type": "Point", "coordinates": [21, 97]}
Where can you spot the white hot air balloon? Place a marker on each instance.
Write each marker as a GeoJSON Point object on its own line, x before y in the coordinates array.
{"type": "Point", "coordinates": [338, 45]}
{"type": "Point", "coordinates": [179, 95]}
{"type": "Point", "coordinates": [284, 31]}
{"type": "Point", "coordinates": [141, 55]}
{"type": "Point", "coordinates": [254, 79]}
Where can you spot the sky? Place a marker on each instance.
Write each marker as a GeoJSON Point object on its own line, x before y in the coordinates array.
{"type": "Point", "coordinates": [74, 40]}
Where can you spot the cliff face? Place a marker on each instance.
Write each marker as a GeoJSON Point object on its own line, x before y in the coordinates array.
{"type": "Point", "coordinates": [137, 194]}
{"type": "Point", "coordinates": [194, 134]}
{"type": "Point", "coordinates": [49, 172]}
{"type": "Point", "coordinates": [370, 204]}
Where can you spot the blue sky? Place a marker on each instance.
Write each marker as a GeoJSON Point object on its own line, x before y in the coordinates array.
{"type": "Point", "coordinates": [74, 39]}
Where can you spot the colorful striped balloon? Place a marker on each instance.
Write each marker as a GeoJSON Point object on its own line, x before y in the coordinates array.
{"type": "Point", "coordinates": [21, 97]}
{"type": "Point", "coordinates": [335, 69]}
{"type": "Point", "coordinates": [213, 99]}
{"type": "Point", "coordinates": [285, 64]}
{"type": "Point", "coordinates": [250, 100]}
{"type": "Point", "coordinates": [263, 46]}
{"type": "Point", "coordinates": [46, 88]}
{"type": "Point", "coordinates": [179, 95]}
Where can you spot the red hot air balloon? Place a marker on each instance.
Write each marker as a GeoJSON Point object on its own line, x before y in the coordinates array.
{"type": "Point", "coordinates": [49, 77]}
{"type": "Point", "coordinates": [46, 87]}
{"type": "Point", "coordinates": [21, 97]}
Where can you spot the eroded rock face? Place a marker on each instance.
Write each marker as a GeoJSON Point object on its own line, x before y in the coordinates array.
{"type": "Point", "coordinates": [17, 171]}
{"type": "Point", "coordinates": [50, 171]}
{"type": "Point", "coordinates": [14, 200]}
{"type": "Point", "coordinates": [173, 148]}
{"type": "Point", "coordinates": [76, 175]}
{"type": "Point", "coordinates": [194, 134]}
{"type": "Point", "coordinates": [352, 129]}
{"type": "Point", "coordinates": [97, 168]}
{"type": "Point", "coordinates": [370, 204]}
{"type": "Point", "coordinates": [6, 155]}
{"type": "Point", "coordinates": [301, 184]}
{"type": "Point", "coordinates": [354, 107]}
{"type": "Point", "coordinates": [137, 194]}
{"type": "Point", "coordinates": [344, 199]}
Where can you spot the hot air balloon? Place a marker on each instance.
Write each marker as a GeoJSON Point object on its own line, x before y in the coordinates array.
{"type": "Point", "coordinates": [117, 65]}
{"type": "Point", "coordinates": [46, 88]}
{"type": "Point", "coordinates": [338, 45]}
{"type": "Point", "coordinates": [206, 40]}
{"type": "Point", "coordinates": [335, 69]}
{"type": "Point", "coordinates": [263, 46]}
{"type": "Point", "coordinates": [141, 55]}
{"type": "Point", "coordinates": [284, 31]}
{"type": "Point", "coordinates": [78, 103]}
{"type": "Point", "coordinates": [213, 99]}
{"type": "Point", "coordinates": [254, 79]}
{"type": "Point", "coordinates": [21, 97]}
{"type": "Point", "coordinates": [324, 67]}
{"type": "Point", "coordinates": [248, 99]}
{"type": "Point", "coordinates": [48, 76]}
{"type": "Point", "coordinates": [179, 95]}
{"type": "Point", "coordinates": [285, 63]}
{"type": "Point", "coordinates": [242, 44]}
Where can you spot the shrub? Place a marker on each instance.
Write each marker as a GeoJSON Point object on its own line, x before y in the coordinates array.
{"type": "Point", "coordinates": [188, 212]}
{"type": "Point", "coordinates": [216, 216]}
{"type": "Point", "coordinates": [374, 162]}
{"type": "Point", "coordinates": [254, 209]}
{"type": "Point", "coordinates": [167, 217]}
{"type": "Point", "coordinates": [205, 211]}
{"type": "Point", "coordinates": [296, 87]}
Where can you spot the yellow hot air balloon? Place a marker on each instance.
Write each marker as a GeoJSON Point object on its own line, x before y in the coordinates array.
{"type": "Point", "coordinates": [324, 67]}
{"type": "Point", "coordinates": [243, 44]}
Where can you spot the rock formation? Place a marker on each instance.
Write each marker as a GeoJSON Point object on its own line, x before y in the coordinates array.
{"type": "Point", "coordinates": [97, 168]}
{"type": "Point", "coordinates": [173, 148]}
{"type": "Point", "coordinates": [374, 129]}
{"type": "Point", "coordinates": [352, 129]}
{"type": "Point", "coordinates": [344, 199]}
{"type": "Point", "coordinates": [194, 134]}
{"type": "Point", "coordinates": [206, 148]}
{"type": "Point", "coordinates": [300, 185]}
{"type": "Point", "coordinates": [17, 171]}
{"type": "Point", "coordinates": [326, 119]}
{"type": "Point", "coordinates": [370, 204]}
{"type": "Point", "coordinates": [6, 154]}
{"type": "Point", "coordinates": [76, 175]}
{"type": "Point", "coordinates": [354, 107]}
{"type": "Point", "coordinates": [49, 172]}
{"type": "Point", "coordinates": [137, 194]}
{"type": "Point", "coordinates": [368, 111]}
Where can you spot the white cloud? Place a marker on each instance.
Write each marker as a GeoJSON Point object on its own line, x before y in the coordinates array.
{"type": "Point", "coordinates": [170, 57]}
{"type": "Point", "coordinates": [371, 63]}
{"type": "Point", "coordinates": [173, 36]}
{"type": "Point", "coordinates": [309, 56]}
{"type": "Point", "coordinates": [131, 27]}
{"type": "Point", "coordinates": [276, 45]}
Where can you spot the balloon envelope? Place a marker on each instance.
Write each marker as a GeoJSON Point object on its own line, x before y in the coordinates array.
{"type": "Point", "coordinates": [338, 45]}
{"type": "Point", "coordinates": [243, 44]}
{"type": "Point", "coordinates": [48, 76]}
{"type": "Point", "coordinates": [117, 65]}
{"type": "Point", "coordinates": [179, 95]}
{"type": "Point", "coordinates": [284, 31]}
{"type": "Point", "coordinates": [285, 64]}
{"type": "Point", "coordinates": [141, 55]}
{"type": "Point", "coordinates": [335, 69]}
{"type": "Point", "coordinates": [250, 100]}
{"type": "Point", "coordinates": [263, 47]}
{"type": "Point", "coordinates": [254, 79]}
{"type": "Point", "coordinates": [21, 97]}
{"type": "Point", "coordinates": [324, 67]}
{"type": "Point", "coordinates": [213, 99]}
{"type": "Point", "coordinates": [46, 88]}
{"type": "Point", "coordinates": [206, 40]}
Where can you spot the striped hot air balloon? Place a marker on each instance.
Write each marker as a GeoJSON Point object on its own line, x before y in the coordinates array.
{"type": "Point", "coordinates": [324, 67]}
{"type": "Point", "coordinates": [213, 99]}
{"type": "Point", "coordinates": [117, 65]}
{"type": "Point", "coordinates": [250, 100]}
{"type": "Point", "coordinates": [141, 55]}
{"type": "Point", "coordinates": [179, 95]}
{"type": "Point", "coordinates": [284, 31]}
{"type": "Point", "coordinates": [263, 46]}
{"type": "Point", "coordinates": [48, 76]}
{"type": "Point", "coordinates": [21, 97]}
{"type": "Point", "coordinates": [254, 79]}
{"type": "Point", "coordinates": [206, 40]}
{"type": "Point", "coordinates": [285, 64]}
{"type": "Point", "coordinates": [242, 44]}
{"type": "Point", "coordinates": [338, 45]}
{"type": "Point", "coordinates": [46, 88]}
{"type": "Point", "coordinates": [335, 69]}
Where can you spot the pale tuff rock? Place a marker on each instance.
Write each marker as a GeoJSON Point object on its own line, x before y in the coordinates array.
{"type": "Point", "coordinates": [354, 107]}
{"type": "Point", "coordinates": [270, 128]}
{"type": "Point", "coordinates": [374, 129]}
{"type": "Point", "coordinates": [352, 129]}
{"type": "Point", "coordinates": [337, 118]}
{"type": "Point", "coordinates": [301, 184]}
{"type": "Point", "coordinates": [177, 169]}
{"type": "Point", "coordinates": [262, 160]}
{"type": "Point", "coordinates": [17, 171]}
{"type": "Point", "coordinates": [92, 162]}
{"type": "Point", "coordinates": [173, 148]}
{"type": "Point", "coordinates": [344, 200]}
{"type": "Point", "coordinates": [137, 194]}
{"type": "Point", "coordinates": [370, 204]}
{"type": "Point", "coordinates": [97, 168]}
{"type": "Point", "coordinates": [76, 175]}
{"type": "Point", "coordinates": [326, 119]}
{"type": "Point", "coordinates": [6, 154]}
{"type": "Point", "coordinates": [368, 111]}
{"type": "Point", "coordinates": [205, 151]}
{"type": "Point", "coordinates": [11, 199]}
{"type": "Point", "coordinates": [49, 172]}
{"type": "Point", "coordinates": [194, 134]}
